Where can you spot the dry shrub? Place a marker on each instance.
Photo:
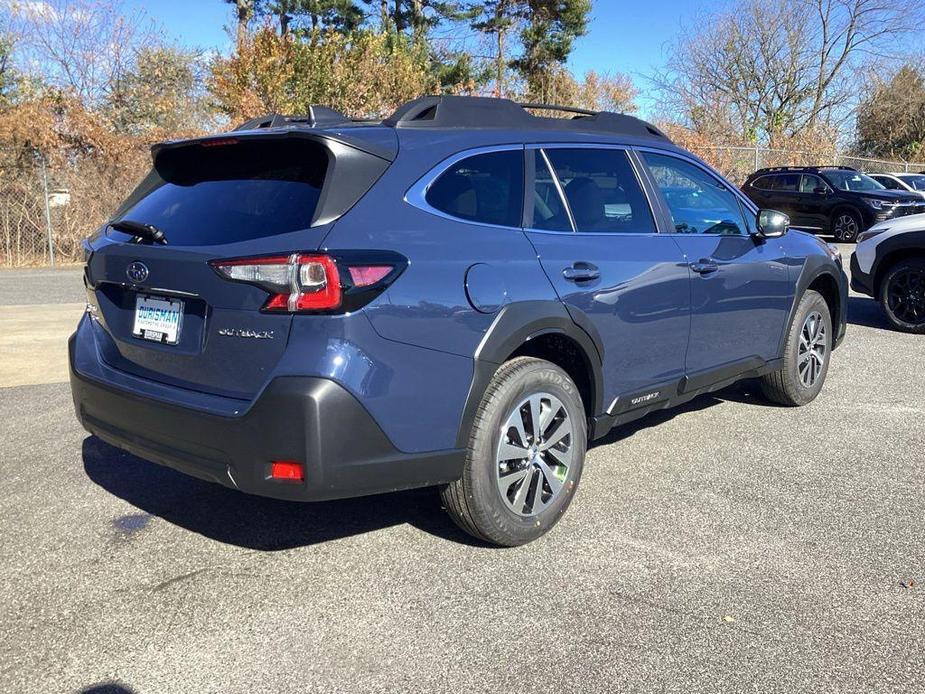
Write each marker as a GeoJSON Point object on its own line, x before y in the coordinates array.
{"type": "Point", "coordinates": [80, 154]}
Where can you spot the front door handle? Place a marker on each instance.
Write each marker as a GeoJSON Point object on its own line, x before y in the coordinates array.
{"type": "Point", "coordinates": [581, 272]}
{"type": "Point", "coordinates": [704, 266]}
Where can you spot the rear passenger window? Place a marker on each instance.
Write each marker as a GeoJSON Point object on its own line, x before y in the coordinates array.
{"type": "Point", "coordinates": [485, 188]}
{"type": "Point", "coordinates": [601, 188]}
{"type": "Point", "coordinates": [787, 183]}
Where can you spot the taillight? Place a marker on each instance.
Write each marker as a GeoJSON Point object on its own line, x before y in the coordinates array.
{"type": "Point", "coordinates": [310, 282]}
{"type": "Point", "coordinates": [296, 282]}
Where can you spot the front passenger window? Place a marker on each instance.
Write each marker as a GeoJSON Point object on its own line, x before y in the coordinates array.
{"type": "Point", "coordinates": [698, 202]}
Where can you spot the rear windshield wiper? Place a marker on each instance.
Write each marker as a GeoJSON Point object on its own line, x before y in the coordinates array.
{"type": "Point", "coordinates": [144, 232]}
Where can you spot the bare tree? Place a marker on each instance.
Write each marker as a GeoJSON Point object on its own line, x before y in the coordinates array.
{"type": "Point", "coordinates": [81, 47]}
{"type": "Point", "coordinates": [773, 68]}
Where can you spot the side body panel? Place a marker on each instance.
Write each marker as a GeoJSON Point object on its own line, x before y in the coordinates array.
{"type": "Point", "coordinates": [740, 310]}
{"type": "Point", "coordinates": [640, 304]}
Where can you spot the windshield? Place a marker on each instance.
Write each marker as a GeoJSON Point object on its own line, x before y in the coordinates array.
{"type": "Point", "coordinates": [914, 181]}
{"type": "Point", "coordinates": [852, 180]}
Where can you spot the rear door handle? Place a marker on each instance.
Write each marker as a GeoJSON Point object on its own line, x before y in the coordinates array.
{"type": "Point", "coordinates": [704, 266]}
{"type": "Point", "coordinates": [581, 272]}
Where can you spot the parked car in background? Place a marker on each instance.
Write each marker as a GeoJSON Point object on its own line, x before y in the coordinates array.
{"type": "Point", "coordinates": [908, 182]}
{"type": "Point", "coordinates": [889, 265]}
{"type": "Point", "coordinates": [829, 199]}
{"type": "Point", "coordinates": [462, 295]}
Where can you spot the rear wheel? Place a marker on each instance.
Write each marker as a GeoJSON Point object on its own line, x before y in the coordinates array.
{"type": "Point", "coordinates": [846, 225]}
{"type": "Point", "coordinates": [902, 296]}
{"type": "Point", "coordinates": [806, 355]}
{"type": "Point", "coordinates": [526, 453]}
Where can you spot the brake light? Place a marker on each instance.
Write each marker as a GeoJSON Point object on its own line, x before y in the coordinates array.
{"type": "Point", "coordinates": [297, 282]}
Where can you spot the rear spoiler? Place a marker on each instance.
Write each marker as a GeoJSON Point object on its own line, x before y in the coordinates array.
{"type": "Point", "coordinates": [378, 142]}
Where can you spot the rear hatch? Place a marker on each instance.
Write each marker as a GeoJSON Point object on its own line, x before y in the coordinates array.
{"type": "Point", "coordinates": [164, 312]}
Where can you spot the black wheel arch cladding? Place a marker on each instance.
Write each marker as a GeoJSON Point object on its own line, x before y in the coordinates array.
{"type": "Point", "coordinates": [515, 326]}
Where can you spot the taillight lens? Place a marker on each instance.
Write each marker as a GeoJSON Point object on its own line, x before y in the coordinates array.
{"type": "Point", "coordinates": [316, 282]}
{"type": "Point", "coordinates": [297, 282]}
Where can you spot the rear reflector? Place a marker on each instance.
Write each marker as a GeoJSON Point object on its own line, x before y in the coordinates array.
{"type": "Point", "coordinates": [365, 275]}
{"type": "Point", "coordinates": [287, 470]}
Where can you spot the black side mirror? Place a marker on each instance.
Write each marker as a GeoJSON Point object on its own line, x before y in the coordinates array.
{"type": "Point", "coordinates": [772, 224]}
{"type": "Point", "coordinates": [821, 190]}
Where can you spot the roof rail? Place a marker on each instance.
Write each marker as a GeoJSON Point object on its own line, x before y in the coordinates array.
{"type": "Point", "coordinates": [488, 112]}
{"type": "Point", "coordinates": [317, 116]}
{"type": "Point", "coordinates": [769, 169]}
{"type": "Point", "coordinates": [557, 107]}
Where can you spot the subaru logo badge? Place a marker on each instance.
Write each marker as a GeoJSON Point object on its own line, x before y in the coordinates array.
{"type": "Point", "coordinates": [137, 272]}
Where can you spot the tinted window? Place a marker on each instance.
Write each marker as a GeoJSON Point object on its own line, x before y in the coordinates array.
{"type": "Point", "coordinates": [887, 182]}
{"type": "Point", "coordinates": [851, 180]}
{"type": "Point", "coordinates": [698, 202]}
{"type": "Point", "coordinates": [204, 196]}
{"type": "Point", "coordinates": [914, 181]}
{"type": "Point", "coordinates": [787, 183]}
{"type": "Point", "coordinates": [601, 189]}
{"type": "Point", "coordinates": [486, 188]}
{"type": "Point", "coordinates": [809, 183]}
{"type": "Point", "coordinates": [764, 183]}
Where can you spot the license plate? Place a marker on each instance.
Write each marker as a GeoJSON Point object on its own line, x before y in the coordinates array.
{"type": "Point", "coordinates": [158, 319]}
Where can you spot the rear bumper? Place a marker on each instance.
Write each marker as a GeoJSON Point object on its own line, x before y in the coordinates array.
{"type": "Point", "coordinates": [311, 420]}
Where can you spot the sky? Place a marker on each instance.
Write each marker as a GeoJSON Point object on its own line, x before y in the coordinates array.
{"type": "Point", "coordinates": [627, 37]}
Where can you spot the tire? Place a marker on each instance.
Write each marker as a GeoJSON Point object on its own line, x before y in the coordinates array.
{"type": "Point", "coordinates": [846, 225]}
{"type": "Point", "coordinates": [806, 348]}
{"type": "Point", "coordinates": [902, 296]}
{"type": "Point", "coordinates": [475, 501]}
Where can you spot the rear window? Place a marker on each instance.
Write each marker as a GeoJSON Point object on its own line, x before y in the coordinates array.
{"type": "Point", "coordinates": [214, 195]}
{"type": "Point", "coordinates": [486, 188]}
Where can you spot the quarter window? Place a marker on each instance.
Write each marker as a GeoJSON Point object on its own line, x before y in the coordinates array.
{"type": "Point", "coordinates": [698, 202]}
{"type": "Point", "coordinates": [486, 188]}
{"type": "Point", "coordinates": [764, 183]}
{"type": "Point", "coordinates": [601, 188]}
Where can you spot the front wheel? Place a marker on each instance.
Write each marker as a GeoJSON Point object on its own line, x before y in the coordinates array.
{"type": "Point", "coordinates": [806, 355]}
{"type": "Point", "coordinates": [525, 457]}
{"type": "Point", "coordinates": [902, 296]}
{"type": "Point", "coordinates": [846, 225]}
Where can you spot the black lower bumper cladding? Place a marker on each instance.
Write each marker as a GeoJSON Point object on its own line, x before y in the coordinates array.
{"type": "Point", "coordinates": [311, 420]}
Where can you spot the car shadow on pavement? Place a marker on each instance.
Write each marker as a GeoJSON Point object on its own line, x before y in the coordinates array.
{"type": "Point", "coordinates": [866, 312]}
{"type": "Point", "coordinates": [256, 522]}
{"type": "Point", "coordinates": [747, 392]}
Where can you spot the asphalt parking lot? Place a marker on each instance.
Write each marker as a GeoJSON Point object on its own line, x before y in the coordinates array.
{"type": "Point", "coordinates": [727, 546]}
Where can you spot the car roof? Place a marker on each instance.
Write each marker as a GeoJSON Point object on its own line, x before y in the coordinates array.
{"type": "Point", "coordinates": [482, 120]}
{"type": "Point", "coordinates": [802, 169]}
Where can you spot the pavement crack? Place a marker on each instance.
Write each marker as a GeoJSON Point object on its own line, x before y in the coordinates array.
{"type": "Point", "coordinates": [177, 579]}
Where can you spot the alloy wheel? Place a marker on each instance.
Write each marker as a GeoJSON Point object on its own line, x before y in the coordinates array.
{"type": "Point", "coordinates": [813, 349]}
{"type": "Point", "coordinates": [846, 228]}
{"type": "Point", "coordinates": [534, 454]}
{"type": "Point", "coordinates": [905, 296]}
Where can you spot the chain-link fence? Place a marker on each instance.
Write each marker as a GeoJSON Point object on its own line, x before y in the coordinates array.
{"type": "Point", "coordinates": [26, 209]}
{"type": "Point", "coordinates": [45, 209]}
{"type": "Point", "coordinates": [736, 163]}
